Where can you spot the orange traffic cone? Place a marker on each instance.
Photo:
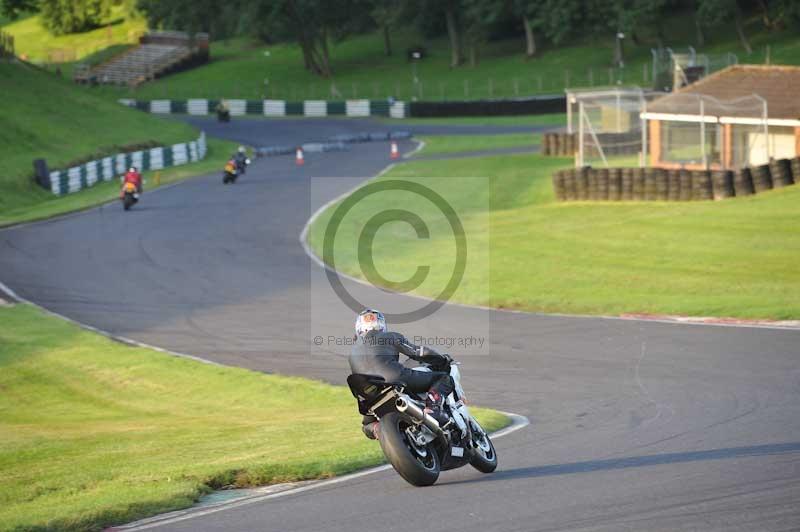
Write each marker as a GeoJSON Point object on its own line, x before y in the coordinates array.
{"type": "Point", "coordinates": [395, 153]}
{"type": "Point", "coordinates": [299, 157]}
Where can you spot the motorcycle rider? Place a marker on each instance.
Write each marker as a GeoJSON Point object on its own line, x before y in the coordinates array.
{"type": "Point", "coordinates": [377, 352]}
{"type": "Point", "coordinates": [133, 176]}
{"type": "Point", "coordinates": [241, 159]}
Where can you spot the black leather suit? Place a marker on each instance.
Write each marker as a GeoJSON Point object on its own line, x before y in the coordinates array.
{"type": "Point", "coordinates": [378, 353]}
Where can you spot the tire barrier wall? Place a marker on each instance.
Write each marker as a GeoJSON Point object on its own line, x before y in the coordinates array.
{"type": "Point", "coordinates": [566, 144]}
{"type": "Point", "coordinates": [559, 144]}
{"type": "Point", "coordinates": [237, 107]}
{"type": "Point", "coordinates": [658, 184]}
{"type": "Point", "coordinates": [108, 168]}
{"type": "Point", "coordinates": [523, 106]}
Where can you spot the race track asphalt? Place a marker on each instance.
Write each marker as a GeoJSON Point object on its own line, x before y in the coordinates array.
{"type": "Point", "coordinates": [635, 425]}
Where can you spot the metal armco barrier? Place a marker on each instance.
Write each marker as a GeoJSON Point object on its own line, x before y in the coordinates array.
{"type": "Point", "coordinates": [239, 107]}
{"type": "Point", "coordinates": [87, 174]}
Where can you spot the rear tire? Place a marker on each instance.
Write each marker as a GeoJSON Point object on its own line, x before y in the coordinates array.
{"type": "Point", "coordinates": [416, 469]}
{"type": "Point", "coordinates": [484, 457]}
{"type": "Point", "coordinates": [127, 202]}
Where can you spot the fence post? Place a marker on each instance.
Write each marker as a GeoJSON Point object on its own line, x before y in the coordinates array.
{"type": "Point", "coordinates": [580, 134]}
{"type": "Point", "coordinates": [703, 133]}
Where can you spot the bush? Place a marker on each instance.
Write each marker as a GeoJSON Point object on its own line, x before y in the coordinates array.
{"type": "Point", "coordinates": [73, 16]}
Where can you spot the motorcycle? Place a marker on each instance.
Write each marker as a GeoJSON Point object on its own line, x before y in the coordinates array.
{"type": "Point", "coordinates": [412, 441]}
{"type": "Point", "coordinates": [230, 173]}
{"type": "Point", "coordinates": [129, 195]}
{"type": "Point", "coordinates": [242, 164]}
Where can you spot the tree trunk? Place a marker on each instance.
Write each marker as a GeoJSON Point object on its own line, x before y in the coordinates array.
{"type": "Point", "coordinates": [387, 40]}
{"type": "Point", "coordinates": [698, 28]}
{"type": "Point", "coordinates": [530, 40]}
{"type": "Point", "coordinates": [326, 57]}
{"type": "Point", "coordinates": [452, 32]}
{"type": "Point", "coordinates": [740, 31]}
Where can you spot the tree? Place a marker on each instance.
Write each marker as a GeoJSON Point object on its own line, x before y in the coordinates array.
{"type": "Point", "coordinates": [715, 12]}
{"type": "Point", "coordinates": [453, 32]}
{"type": "Point", "coordinates": [478, 16]}
{"type": "Point", "coordinates": [14, 8]}
{"type": "Point", "coordinates": [72, 16]}
{"type": "Point", "coordinates": [386, 13]}
{"type": "Point", "coordinates": [532, 13]}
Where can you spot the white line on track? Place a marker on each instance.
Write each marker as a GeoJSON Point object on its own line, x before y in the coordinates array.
{"type": "Point", "coordinates": [283, 490]}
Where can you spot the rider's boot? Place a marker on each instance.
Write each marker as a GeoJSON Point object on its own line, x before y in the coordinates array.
{"type": "Point", "coordinates": [372, 430]}
{"type": "Point", "coordinates": [433, 407]}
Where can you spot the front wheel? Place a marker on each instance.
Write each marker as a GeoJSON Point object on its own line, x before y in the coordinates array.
{"type": "Point", "coordinates": [484, 457]}
{"type": "Point", "coordinates": [419, 466]}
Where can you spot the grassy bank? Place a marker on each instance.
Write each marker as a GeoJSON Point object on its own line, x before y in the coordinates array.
{"type": "Point", "coordinates": [218, 152]}
{"type": "Point", "coordinates": [240, 67]}
{"type": "Point", "coordinates": [460, 143]}
{"type": "Point", "coordinates": [44, 116]}
{"type": "Point", "coordinates": [731, 258]}
{"type": "Point", "coordinates": [35, 42]}
{"type": "Point", "coordinates": [96, 433]}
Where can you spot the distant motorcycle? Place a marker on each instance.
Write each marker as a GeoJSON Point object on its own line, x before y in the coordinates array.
{"type": "Point", "coordinates": [230, 172]}
{"type": "Point", "coordinates": [129, 195]}
{"type": "Point", "coordinates": [414, 443]}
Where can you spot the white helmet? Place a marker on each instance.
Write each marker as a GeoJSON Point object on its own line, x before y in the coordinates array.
{"type": "Point", "coordinates": [370, 320]}
{"type": "Point", "coordinates": [241, 149]}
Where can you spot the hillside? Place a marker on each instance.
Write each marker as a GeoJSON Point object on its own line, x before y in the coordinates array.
{"type": "Point", "coordinates": [38, 45]}
{"type": "Point", "coordinates": [44, 116]}
{"type": "Point", "coordinates": [240, 67]}
{"type": "Point", "coordinates": [245, 68]}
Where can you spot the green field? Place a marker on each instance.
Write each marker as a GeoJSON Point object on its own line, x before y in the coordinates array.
{"type": "Point", "coordinates": [96, 433]}
{"type": "Point", "coordinates": [249, 69]}
{"type": "Point", "coordinates": [464, 143]}
{"type": "Point", "coordinates": [33, 41]}
{"type": "Point", "coordinates": [44, 116]}
{"type": "Point", "coordinates": [732, 258]}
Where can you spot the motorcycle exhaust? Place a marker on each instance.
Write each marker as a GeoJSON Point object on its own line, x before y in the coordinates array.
{"type": "Point", "coordinates": [405, 406]}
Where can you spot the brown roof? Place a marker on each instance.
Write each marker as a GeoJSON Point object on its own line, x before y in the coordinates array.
{"type": "Point", "coordinates": [733, 89]}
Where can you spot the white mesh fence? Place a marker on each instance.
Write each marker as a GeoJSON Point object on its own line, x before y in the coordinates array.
{"type": "Point", "coordinates": [702, 131]}
{"type": "Point", "coordinates": [608, 126]}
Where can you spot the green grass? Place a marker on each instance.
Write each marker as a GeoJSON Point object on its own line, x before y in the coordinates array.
{"type": "Point", "coordinates": [239, 67]}
{"type": "Point", "coordinates": [44, 116]}
{"type": "Point", "coordinates": [32, 40]}
{"type": "Point", "coordinates": [218, 153]}
{"type": "Point", "coordinates": [732, 258]}
{"type": "Point", "coordinates": [465, 143]}
{"type": "Point", "coordinates": [95, 433]}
